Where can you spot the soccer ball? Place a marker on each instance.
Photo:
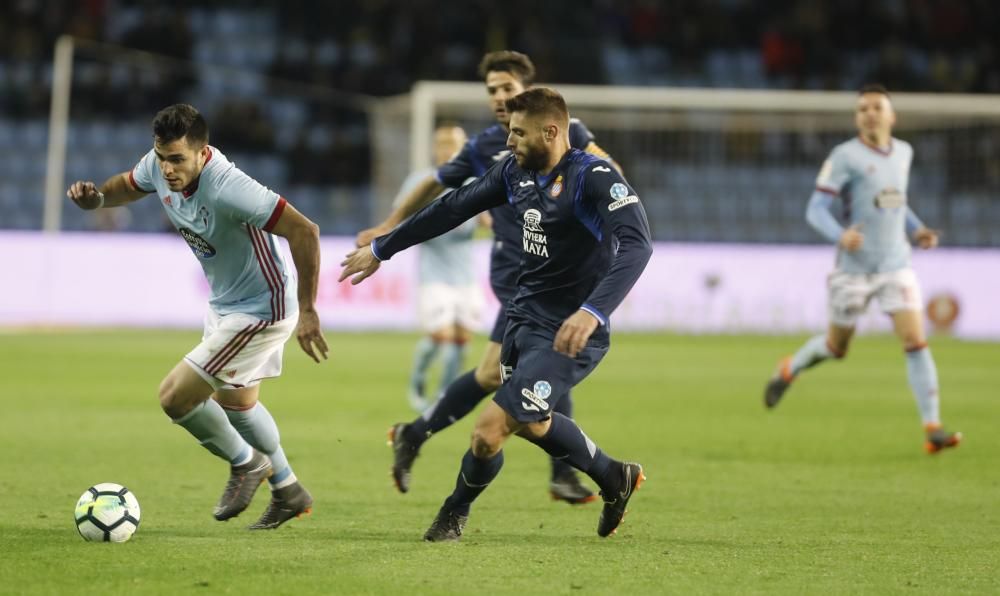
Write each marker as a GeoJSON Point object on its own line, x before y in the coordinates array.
{"type": "Point", "coordinates": [107, 512]}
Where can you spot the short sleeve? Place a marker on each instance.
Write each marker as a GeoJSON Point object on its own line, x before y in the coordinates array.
{"type": "Point", "coordinates": [835, 173]}
{"type": "Point", "coordinates": [141, 176]}
{"type": "Point", "coordinates": [249, 201]}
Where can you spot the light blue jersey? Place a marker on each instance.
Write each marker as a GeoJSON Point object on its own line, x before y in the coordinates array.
{"type": "Point", "coordinates": [225, 217]}
{"type": "Point", "coordinates": [446, 259]}
{"type": "Point", "coordinates": [872, 185]}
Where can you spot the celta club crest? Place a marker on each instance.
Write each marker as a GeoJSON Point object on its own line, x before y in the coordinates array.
{"type": "Point", "coordinates": [533, 220]}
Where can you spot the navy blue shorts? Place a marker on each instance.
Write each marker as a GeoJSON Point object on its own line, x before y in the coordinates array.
{"type": "Point", "coordinates": [504, 294]}
{"type": "Point", "coordinates": [535, 376]}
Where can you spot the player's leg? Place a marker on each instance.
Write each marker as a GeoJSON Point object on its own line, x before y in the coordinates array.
{"type": "Point", "coordinates": [454, 346]}
{"type": "Point", "coordinates": [542, 376]}
{"type": "Point", "coordinates": [424, 353]}
{"type": "Point", "coordinates": [255, 424]}
{"type": "Point", "coordinates": [848, 296]}
{"type": "Point", "coordinates": [455, 402]}
{"type": "Point", "coordinates": [184, 396]}
{"type": "Point", "coordinates": [900, 297]}
{"type": "Point", "coordinates": [480, 465]}
{"type": "Point", "coordinates": [565, 484]}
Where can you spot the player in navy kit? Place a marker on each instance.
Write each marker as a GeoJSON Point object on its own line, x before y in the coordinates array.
{"type": "Point", "coordinates": [585, 241]}
{"type": "Point", "coordinates": [229, 220]}
{"type": "Point", "coordinates": [506, 74]}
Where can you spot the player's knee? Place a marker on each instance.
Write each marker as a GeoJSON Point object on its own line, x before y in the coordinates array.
{"type": "Point", "coordinates": [838, 347]}
{"type": "Point", "coordinates": [170, 399]}
{"type": "Point", "coordinates": [488, 377]}
{"type": "Point", "coordinates": [175, 402]}
{"type": "Point", "coordinates": [486, 443]}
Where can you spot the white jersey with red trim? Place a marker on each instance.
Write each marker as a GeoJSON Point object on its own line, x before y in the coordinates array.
{"type": "Point", "coordinates": [872, 185]}
{"type": "Point", "coordinates": [226, 216]}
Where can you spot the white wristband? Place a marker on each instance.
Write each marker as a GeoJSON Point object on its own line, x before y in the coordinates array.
{"type": "Point", "coordinates": [100, 195]}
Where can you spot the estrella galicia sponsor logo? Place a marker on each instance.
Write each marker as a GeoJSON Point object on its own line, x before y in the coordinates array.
{"type": "Point", "coordinates": [199, 246]}
{"type": "Point", "coordinates": [537, 396]}
{"type": "Point", "coordinates": [890, 198]}
{"type": "Point", "coordinates": [622, 202]}
{"type": "Point", "coordinates": [618, 191]}
{"type": "Point", "coordinates": [534, 240]}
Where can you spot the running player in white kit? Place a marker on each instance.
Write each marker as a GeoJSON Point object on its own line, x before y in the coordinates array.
{"type": "Point", "coordinates": [229, 220]}
{"type": "Point", "coordinates": [450, 302]}
{"type": "Point", "coordinates": [869, 174]}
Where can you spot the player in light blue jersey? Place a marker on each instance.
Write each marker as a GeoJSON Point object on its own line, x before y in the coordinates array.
{"type": "Point", "coordinates": [869, 176]}
{"type": "Point", "coordinates": [450, 302]}
{"type": "Point", "coordinates": [229, 221]}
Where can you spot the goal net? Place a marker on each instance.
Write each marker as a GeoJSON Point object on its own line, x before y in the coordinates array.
{"type": "Point", "coordinates": [715, 165]}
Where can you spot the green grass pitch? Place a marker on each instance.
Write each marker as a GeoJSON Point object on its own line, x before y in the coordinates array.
{"type": "Point", "coordinates": [829, 493]}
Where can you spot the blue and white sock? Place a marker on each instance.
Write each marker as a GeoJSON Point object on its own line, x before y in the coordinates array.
{"type": "Point", "coordinates": [427, 349]}
{"type": "Point", "coordinates": [208, 423]}
{"type": "Point", "coordinates": [452, 360]}
{"type": "Point", "coordinates": [814, 351]}
{"type": "Point", "coordinates": [257, 426]}
{"type": "Point", "coordinates": [922, 374]}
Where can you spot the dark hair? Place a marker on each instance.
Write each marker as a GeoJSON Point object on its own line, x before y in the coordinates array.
{"type": "Point", "coordinates": [515, 63]}
{"type": "Point", "coordinates": [873, 88]}
{"type": "Point", "coordinates": [180, 120]}
{"type": "Point", "coordinates": [539, 101]}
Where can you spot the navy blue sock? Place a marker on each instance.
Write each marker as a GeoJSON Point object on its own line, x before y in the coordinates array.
{"type": "Point", "coordinates": [565, 441]}
{"type": "Point", "coordinates": [458, 399]}
{"type": "Point", "coordinates": [475, 475]}
{"type": "Point", "coordinates": [564, 406]}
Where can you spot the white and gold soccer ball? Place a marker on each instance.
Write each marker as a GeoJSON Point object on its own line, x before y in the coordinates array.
{"type": "Point", "coordinates": [107, 512]}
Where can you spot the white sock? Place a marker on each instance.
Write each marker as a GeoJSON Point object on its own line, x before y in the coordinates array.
{"type": "Point", "coordinates": [208, 423]}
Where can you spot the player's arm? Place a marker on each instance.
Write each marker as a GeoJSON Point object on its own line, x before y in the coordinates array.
{"type": "Point", "coordinates": [833, 176]}
{"type": "Point", "coordinates": [303, 242]}
{"type": "Point", "coordinates": [925, 237]}
{"type": "Point", "coordinates": [819, 214]}
{"type": "Point", "coordinates": [424, 192]}
{"type": "Point", "coordinates": [116, 191]}
{"type": "Point", "coordinates": [450, 175]}
{"type": "Point", "coordinates": [435, 219]}
{"type": "Point", "coordinates": [616, 204]}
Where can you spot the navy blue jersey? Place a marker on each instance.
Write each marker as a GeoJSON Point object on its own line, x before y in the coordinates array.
{"type": "Point", "coordinates": [582, 231]}
{"type": "Point", "coordinates": [478, 155]}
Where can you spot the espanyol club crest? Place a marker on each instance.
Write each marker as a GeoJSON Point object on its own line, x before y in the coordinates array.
{"type": "Point", "coordinates": [557, 187]}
